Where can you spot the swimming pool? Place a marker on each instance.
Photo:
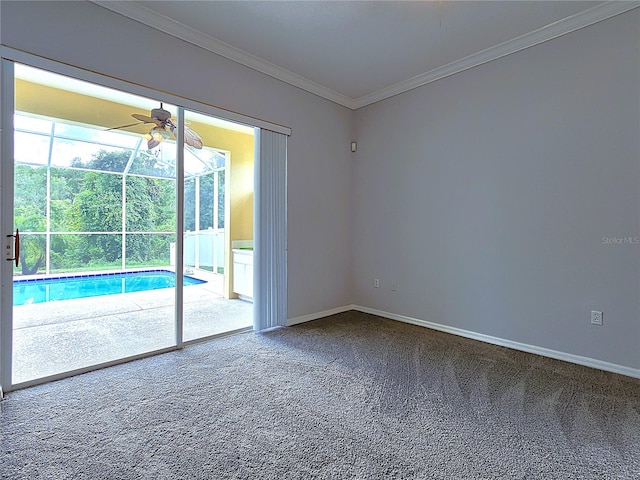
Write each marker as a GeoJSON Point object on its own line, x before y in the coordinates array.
{"type": "Point", "coordinates": [40, 290]}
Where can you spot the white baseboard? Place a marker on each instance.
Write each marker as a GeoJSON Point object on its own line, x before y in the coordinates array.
{"type": "Point", "coordinates": [545, 352]}
{"type": "Point", "coordinates": [316, 316]}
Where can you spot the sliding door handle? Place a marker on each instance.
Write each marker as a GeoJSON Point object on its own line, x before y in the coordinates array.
{"type": "Point", "coordinates": [17, 247]}
{"type": "Point", "coordinates": [13, 248]}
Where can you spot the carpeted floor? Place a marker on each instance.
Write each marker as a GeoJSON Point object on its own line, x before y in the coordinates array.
{"type": "Point", "coordinates": [350, 396]}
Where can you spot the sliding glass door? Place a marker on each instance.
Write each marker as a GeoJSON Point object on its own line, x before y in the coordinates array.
{"type": "Point", "coordinates": [95, 212]}
{"type": "Point", "coordinates": [218, 208]}
{"type": "Point", "coordinates": [127, 222]}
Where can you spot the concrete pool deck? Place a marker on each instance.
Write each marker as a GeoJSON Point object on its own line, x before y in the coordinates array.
{"type": "Point", "coordinates": [55, 337]}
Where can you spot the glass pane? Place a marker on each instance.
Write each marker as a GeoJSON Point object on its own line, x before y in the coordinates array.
{"type": "Point", "coordinates": [201, 161]}
{"type": "Point", "coordinates": [158, 162]}
{"type": "Point", "coordinates": [102, 312]}
{"type": "Point", "coordinates": [31, 148]}
{"type": "Point", "coordinates": [30, 198]}
{"type": "Point", "coordinates": [192, 164]}
{"type": "Point", "coordinates": [32, 255]}
{"type": "Point", "coordinates": [66, 184]}
{"type": "Point", "coordinates": [150, 250]}
{"type": "Point", "coordinates": [190, 205]}
{"type": "Point", "coordinates": [214, 307]}
{"type": "Point", "coordinates": [32, 124]}
{"type": "Point", "coordinates": [74, 153]}
{"type": "Point", "coordinates": [151, 204]}
{"type": "Point", "coordinates": [94, 135]}
{"type": "Point", "coordinates": [84, 253]}
{"type": "Point", "coordinates": [207, 200]}
{"type": "Point", "coordinates": [83, 201]}
{"type": "Point", "coordinates": [221, 193]}
{"type": "Point", "coordinates": [215, 159]}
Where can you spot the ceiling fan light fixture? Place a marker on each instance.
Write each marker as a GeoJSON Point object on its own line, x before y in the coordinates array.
{"type": "Point", "coordinates": [159, 134]}
{"type": "Point", "coordinates": [155, 136]}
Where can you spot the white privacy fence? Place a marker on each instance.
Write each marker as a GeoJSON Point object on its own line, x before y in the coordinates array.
{"type": "Point", "coordinates": [203, 249]}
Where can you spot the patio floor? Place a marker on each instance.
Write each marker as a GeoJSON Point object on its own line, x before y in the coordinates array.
{"type": "Point", "coordinates": [56, 337]}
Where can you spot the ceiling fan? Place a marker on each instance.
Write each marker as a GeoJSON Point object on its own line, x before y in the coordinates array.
{"type": "Point", "coordinates": [164, 128]}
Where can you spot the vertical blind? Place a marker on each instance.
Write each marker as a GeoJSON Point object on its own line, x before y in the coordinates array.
{"type": "Point", "coordinates": [270, 231]}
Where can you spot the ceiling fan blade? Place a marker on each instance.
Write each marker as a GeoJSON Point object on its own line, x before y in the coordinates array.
{"type": "Point", "coordinates": [192, 138]}
{"type": "Point", "coordinates": [145, 119]}
{"type": "Point", "coordinates": [124, 126]}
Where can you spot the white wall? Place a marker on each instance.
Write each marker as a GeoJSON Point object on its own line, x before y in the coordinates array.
{"type": "Point", "coordinates": [319, 161]}
{"type": "Point", "coordinates": [486, 196]}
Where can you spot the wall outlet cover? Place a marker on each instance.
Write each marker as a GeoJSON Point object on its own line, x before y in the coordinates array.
{"type": "Point", "coordinates": [596, 317]}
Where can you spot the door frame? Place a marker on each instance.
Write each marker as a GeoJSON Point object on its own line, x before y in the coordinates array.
{"type": "Point", "coordinates": [6, 221]}
{"type": "Point", "coordinates": [10, 56]}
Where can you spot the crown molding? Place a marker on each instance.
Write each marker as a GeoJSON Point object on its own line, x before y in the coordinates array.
{"type": "Point", "coordinates": [148, 17]}
{"type": "Point", "coordinates": [561, 27]}
{"type": "Point", "coordinates": [167, 25]}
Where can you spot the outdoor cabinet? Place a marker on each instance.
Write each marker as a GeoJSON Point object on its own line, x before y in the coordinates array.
{"type": "Point", "coordinates": [243, 273]}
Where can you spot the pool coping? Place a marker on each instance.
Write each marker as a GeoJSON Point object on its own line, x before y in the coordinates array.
{"type": "Point", "coordinates": [105, 273]}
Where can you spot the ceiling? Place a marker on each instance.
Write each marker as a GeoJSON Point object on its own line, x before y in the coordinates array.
{"type": "Point", "coordinates": [359, 52]}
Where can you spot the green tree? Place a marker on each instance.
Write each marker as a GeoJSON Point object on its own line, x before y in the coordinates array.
{"type": "Point", "coordinates": [65, 185]}
{"type": "Point", "coordinates": [30, 206]}
{"type": "Point", "coordinates": [89, 201]}
{"type": "Point", "coordinates": [150, 208]}
{"type": "Point", "coordinates": [30, 189]}
{"type": "Point", "coordinates": [88, 198]}
{"type": "Point", "coordinates": [105, 160]}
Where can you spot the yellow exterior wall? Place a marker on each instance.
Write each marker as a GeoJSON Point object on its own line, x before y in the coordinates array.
{"type": "Point", "coordinates": [56, 103]}
{"type": "Point", "coordinates": [239, 185]}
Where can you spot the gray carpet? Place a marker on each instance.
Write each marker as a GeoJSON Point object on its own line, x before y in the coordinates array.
{"type": "Point", "coordinates": [350, 396]}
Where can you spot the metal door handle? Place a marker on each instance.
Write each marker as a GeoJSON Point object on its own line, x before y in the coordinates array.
{"type": "Point", "coordinates": [17, 247]}
{"type": "Point", "coordinates": [15, 254]}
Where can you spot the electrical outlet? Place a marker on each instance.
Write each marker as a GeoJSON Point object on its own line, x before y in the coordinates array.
{"type": "Point", "coordinates": [596, 317]}
{"type": "Point", "coordinates": [376, 282]}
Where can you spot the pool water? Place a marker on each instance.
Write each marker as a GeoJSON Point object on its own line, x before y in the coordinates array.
{"type": "Point", "coordinates": [40, 290]}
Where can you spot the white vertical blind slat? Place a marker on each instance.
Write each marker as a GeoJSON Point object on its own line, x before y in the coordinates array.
{"type": "Point", "coordinates": [270, 232]}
